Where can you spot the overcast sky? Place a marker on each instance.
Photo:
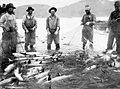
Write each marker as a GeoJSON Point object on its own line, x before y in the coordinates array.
{"type": "Point", "coordinates": [57, 3]}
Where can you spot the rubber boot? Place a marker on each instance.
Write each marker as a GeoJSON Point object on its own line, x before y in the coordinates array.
{"type": "Point", "coordinates": [84, 46]}
{"type": "Point", "coordinates": [57, 47]}
{"type": "Point", "coordinates": [91, 46]}
{"type": "Point", "coordinates": [48, 46]}
{"type": "Point", "coordinates": [26, 48]}
{"type": "Point", "coordinates": [32, 48]}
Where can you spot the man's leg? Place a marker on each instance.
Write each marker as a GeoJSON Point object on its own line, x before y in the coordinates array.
{"type": "Point", "coordinates": [56, 40]}
{"type": "Point", "coordinates": [32, 40]}
{"type": "Point", "coordinates": [84, 44]}
{"type": "Point", "coordinates": [118, 44]}
{"type": "Point", "coordinates": [84, 40]}
{"type": "Point", "coordinates": [13, 41]}
{"type": "Point", "coordinates": [26, 41]}
{"type": "Point", "coordinates": [91, 38]}
{"type": "Point", "coordinates": [110, 40]}
{"type": "Point", "coordinates": [49, 41]}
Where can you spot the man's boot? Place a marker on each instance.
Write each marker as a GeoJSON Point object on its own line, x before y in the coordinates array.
{"type": "Point", "coordinates": [48, 46]}
{"type": "Point", "coordinates": [91, 45]}
{"type": "Point", "coordinates": [32, 48]}
{"type": "Point", "coordinates": [26, 48]}
{"type": "Point", "coordinates": [57, 47]}
{"type": "Point", "coordinates": [84, 46]}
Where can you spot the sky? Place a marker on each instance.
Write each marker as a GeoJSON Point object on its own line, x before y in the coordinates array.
{"type": "Point", "coordinates": [56, 3]}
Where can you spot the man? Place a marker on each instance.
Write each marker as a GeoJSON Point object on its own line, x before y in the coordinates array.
{"type": "Point", "coordinates": [2, 9]}
{"type": "Point", "coordinates": [52, 27]}
{"type": "Point", "coordinates": [29, 25]}
{"type": "Point", "coordinates": [88, 21]}
{"type": "Point", "coordinates": [114, 26]}
{"type": "Point", "coordinates": [9, 35]}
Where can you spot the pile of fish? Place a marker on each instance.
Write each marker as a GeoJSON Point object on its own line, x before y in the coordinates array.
{"type": "Point", "coordinates": [47, 69]}
{"type": "Point", "coordinates": [26, 66]}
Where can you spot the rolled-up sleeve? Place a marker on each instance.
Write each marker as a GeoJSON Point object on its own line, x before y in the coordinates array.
{"type": "Point", "coordinates": [2, 20]}
{"type": "Point", "coordinates": [94, 18]}
{"type": "Point", "coordinates": [82, 21]}
{"type": "Point", "coordinates": [58, 22]}
{"type": "Point", "coordinates": [35, 23]}
{"type": "Point", "coordinates": [109, 22]}
{"type": "Point", "coordinates": [47, 23]}
{"type": "Point", "coordinates": [23, 23]}
{"type": "Point", "coordinates": [16, 26]}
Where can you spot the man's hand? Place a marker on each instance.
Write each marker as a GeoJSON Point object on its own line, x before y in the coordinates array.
{"type": "Point", "coordinates": [113, 22]}
{"type": "Point", "coordinates": [118, 19]}
{"type": "Point", "coordinates": [107, 30]}
{"type": "Point", "coordinates": [48, 33]}
{"type": "Point", "coordinates": [56, 32]}
{"type": "Point", "coordinates": [81, 23]}
{"type": "Point", "coordinates": [88, 23]}
{"type": "Point", "coordinates": [26, 30]}
{"type": "Point", "coordinates": [33, 28]}
{"type": "Point", "coordinates": [4, 27]}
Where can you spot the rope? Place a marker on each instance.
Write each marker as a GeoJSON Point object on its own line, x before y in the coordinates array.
{"type": "Point", "coordinates": [72, 37]}
{"type": "Point", "coordinates": [21, 44]}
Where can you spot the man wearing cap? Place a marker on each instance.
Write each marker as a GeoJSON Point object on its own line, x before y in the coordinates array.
{"type": "Point", "coordinates": [29, 25]}
{"type": "Point", "coordinates": [88, 20]}
{"type": "Point", "coordinates": [9, 35]}
{"type": "Point", "coordinates": [114, 27]}
{"type": "Point", "coordinates": [53, 27]}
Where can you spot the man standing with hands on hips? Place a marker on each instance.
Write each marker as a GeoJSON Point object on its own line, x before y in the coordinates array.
{"type": "Point", "coordinates": [53, 27]}
{"type": "Point", "coordinates": [9, 35]}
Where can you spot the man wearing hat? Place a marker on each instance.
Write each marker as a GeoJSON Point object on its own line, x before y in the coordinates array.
{"type": "Point", "coordinates": [53, 27]}
{"type": "Point", "coordinates": [9, 35]}
{"type": "Point", "coordinates": [114, 28]}
{"type": "Point", "coordinates": [29, 25]}
{"type": "Point", "coordinates": [88, 20]}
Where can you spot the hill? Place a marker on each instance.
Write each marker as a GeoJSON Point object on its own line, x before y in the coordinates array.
{"type": "Point", "coordinates": [40, 10]}
{"type": "Point", "coordinates": [101, 8]}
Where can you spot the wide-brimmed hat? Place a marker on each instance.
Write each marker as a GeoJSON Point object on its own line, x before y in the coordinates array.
{"type": "Point", "coordinates": [87, 7]}
{"type": "Point", "coordinates": [30, 8]}
{"type": "Point", "coordinates": [52, 8]}
{"type": "Point", "coordinates": [117, 3]}
{"type": "Point", "coordinates": [10, 5]}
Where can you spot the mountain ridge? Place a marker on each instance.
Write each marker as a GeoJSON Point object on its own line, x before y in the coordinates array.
{"type": "Point", "coordinates": [98, 7]}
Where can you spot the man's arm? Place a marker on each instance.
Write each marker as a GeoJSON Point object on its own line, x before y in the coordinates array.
{"type": "Point", "coordinates": [23, 24]}
{"type": "Point", "coordinates": [2, 21]}
{"type": "Point", "coordinates": [35, 27]}
{"type": "Point", "coordinates": [111, 20]}
{"type": "Point", "coordinates": [16, 26]}
{"type": "Point", "coordinates": [58, 24]}
{"type": "Point", "coordinates": [108, 23]}
{"type": "Point", "coordinates": [47, 25]}
{"type": "Point", "coordinates": [82, 21]}
{"type": "Point", "coordinates": [91, 22]}
{"type": "Point", "coordinates": [94, 19]}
